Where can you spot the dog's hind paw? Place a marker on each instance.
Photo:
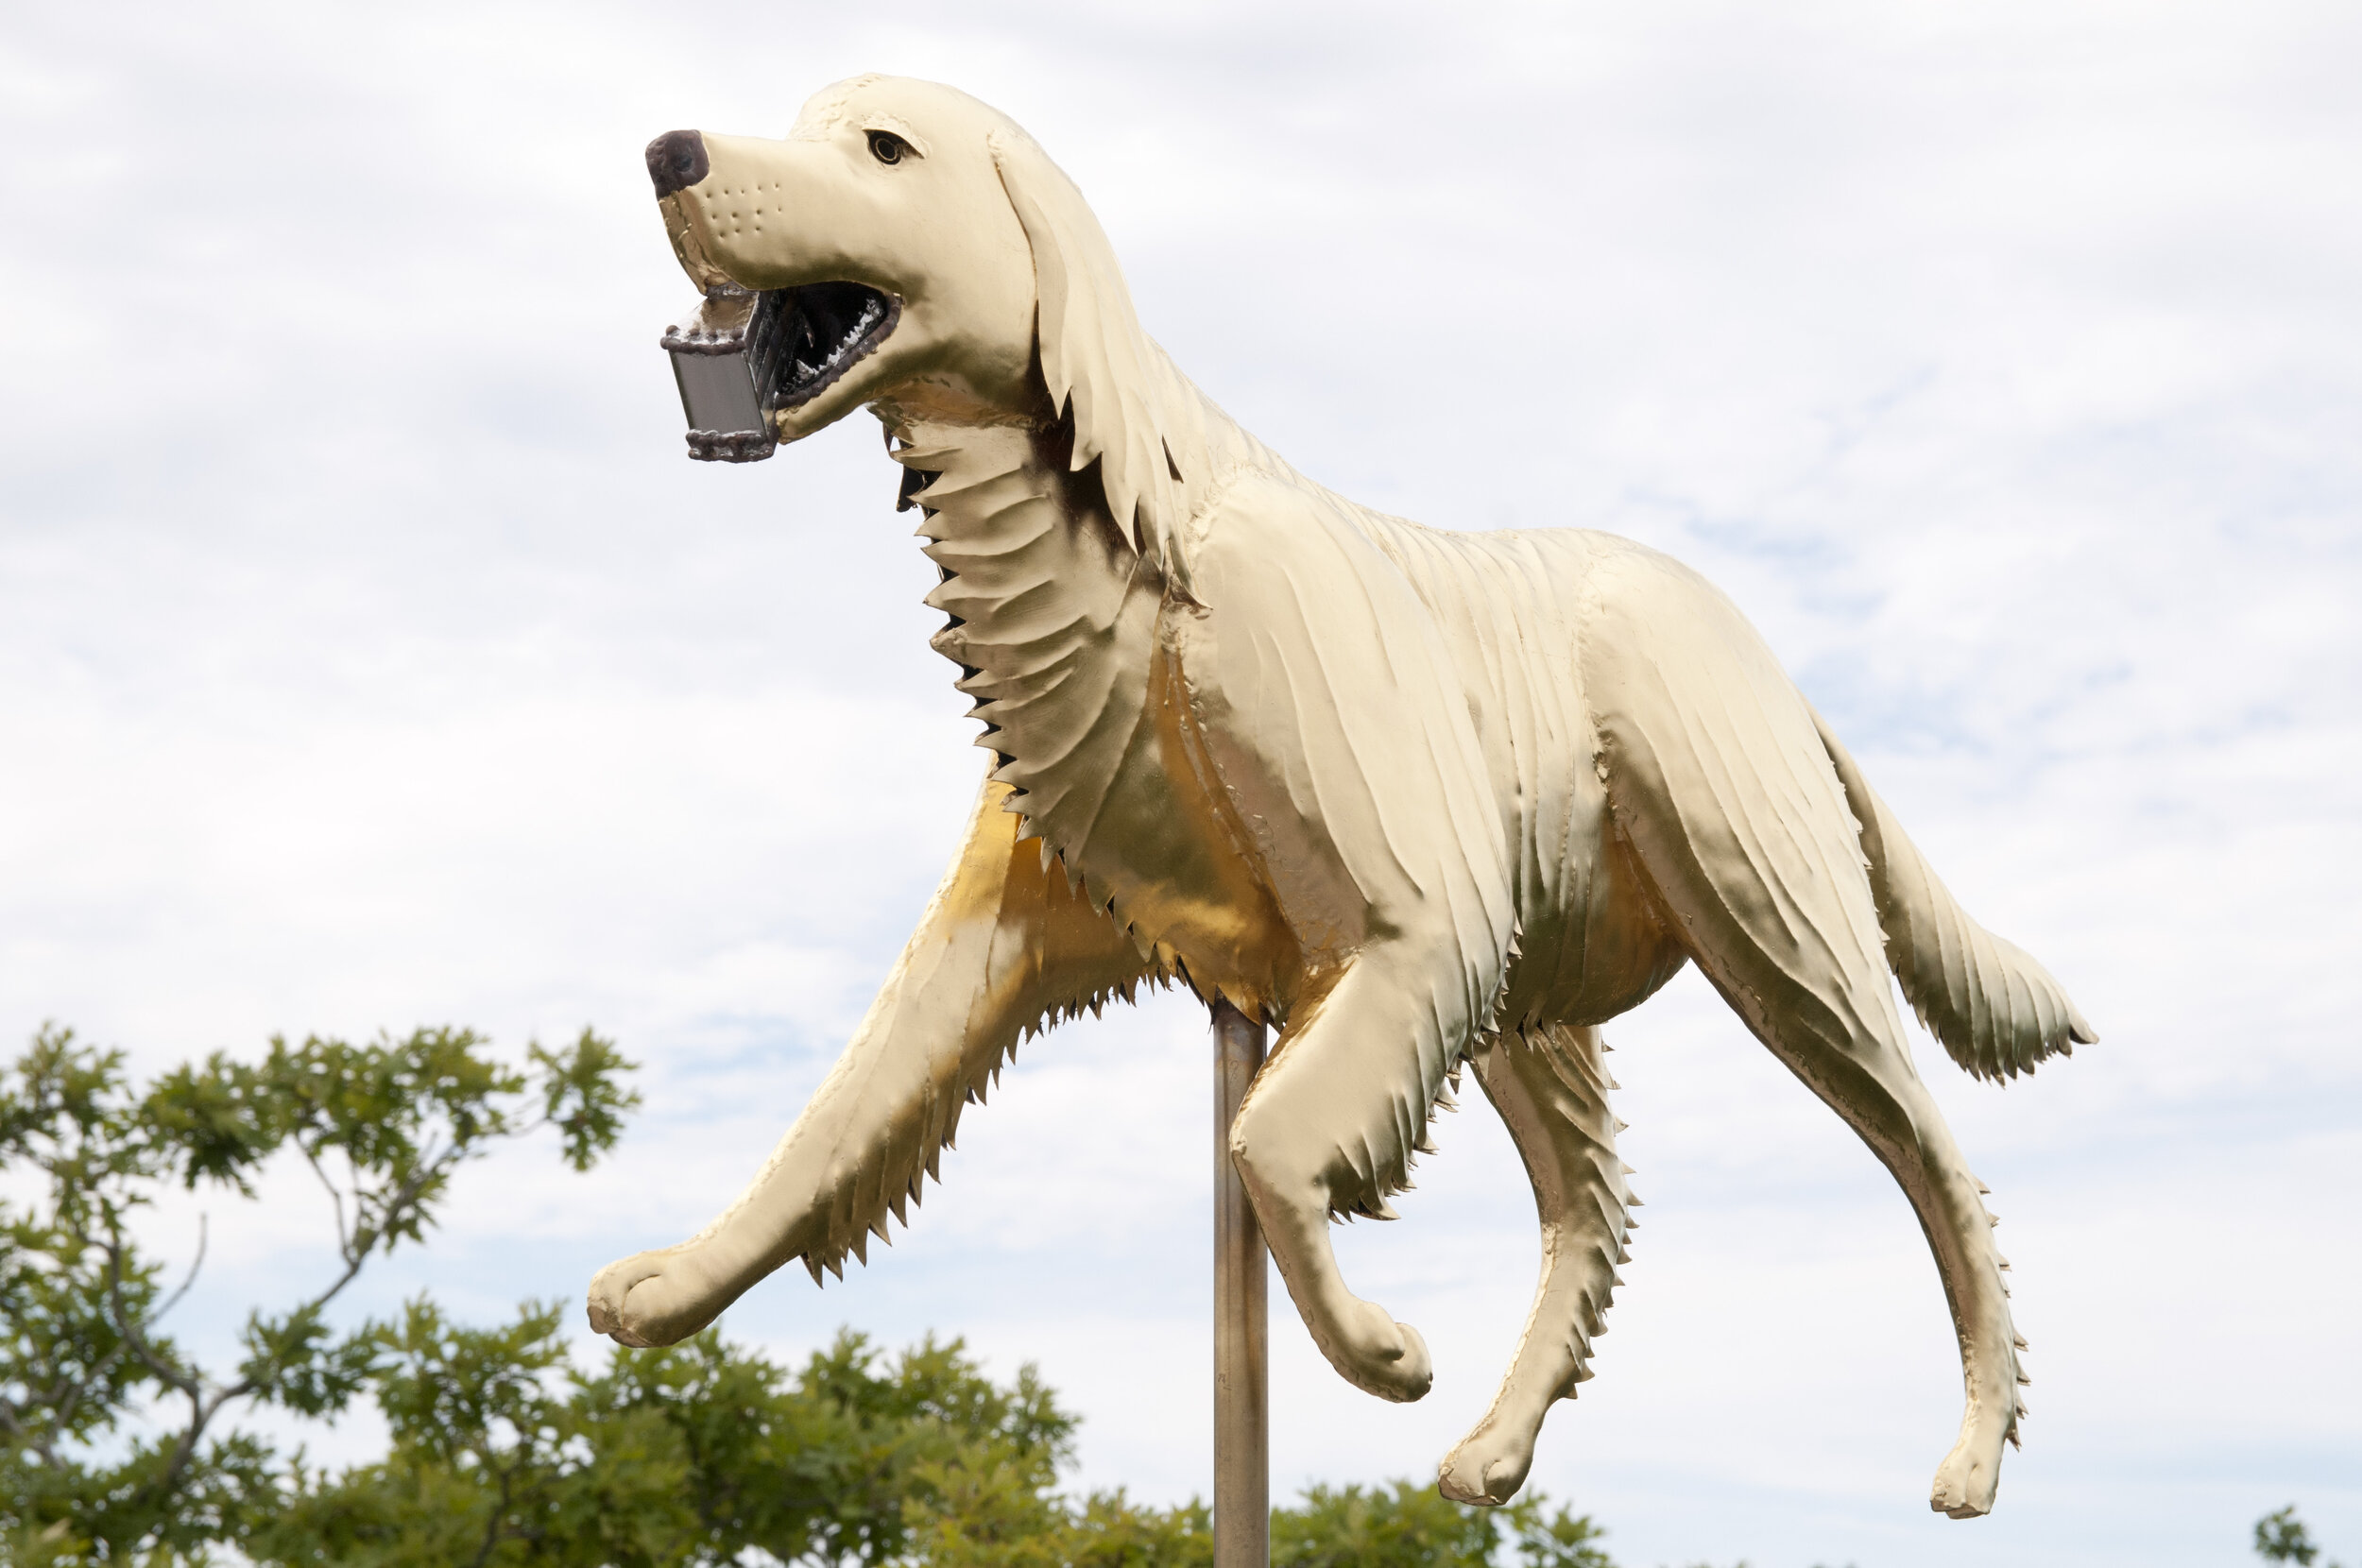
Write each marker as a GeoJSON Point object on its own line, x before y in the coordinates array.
{"type": "Point", "coordinates": [1488, 1467]}
{"type": "Point", "coordinates": [1967, 1481]}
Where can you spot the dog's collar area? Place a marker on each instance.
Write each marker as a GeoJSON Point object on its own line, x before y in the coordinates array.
{"type": "Point", "coordinates": [828, 328]}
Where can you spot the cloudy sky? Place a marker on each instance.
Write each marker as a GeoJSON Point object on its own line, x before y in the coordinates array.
{"type": "Point", "coordinates": [371, 656]}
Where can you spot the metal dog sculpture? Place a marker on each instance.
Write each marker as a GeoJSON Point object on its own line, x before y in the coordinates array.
{"type": "Point", "coordinates": [1418, 798]}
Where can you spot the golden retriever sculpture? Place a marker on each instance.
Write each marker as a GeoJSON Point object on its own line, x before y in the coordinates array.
{"type": "Point", "coordinates": [1416, 797]}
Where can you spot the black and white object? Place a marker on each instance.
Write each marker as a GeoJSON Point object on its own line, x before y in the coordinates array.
{"type": "Point", "coordinates": [726, 358]}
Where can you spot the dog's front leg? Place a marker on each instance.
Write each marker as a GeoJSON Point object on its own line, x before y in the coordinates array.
{"type": "Point", "coordinates": [1003, 942]}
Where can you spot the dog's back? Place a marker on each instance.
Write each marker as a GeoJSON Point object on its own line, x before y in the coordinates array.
{"type": "Point", "coordinates": [1510, 606]}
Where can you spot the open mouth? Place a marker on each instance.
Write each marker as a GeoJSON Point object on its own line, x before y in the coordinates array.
{"type": "Point", "coordinates": [829, 328]}
{"type": "Point", "coordinates": [740, 358]}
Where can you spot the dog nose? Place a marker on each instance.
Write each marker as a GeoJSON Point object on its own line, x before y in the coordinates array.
{"type": "Point", "coordinates": [676, 161]}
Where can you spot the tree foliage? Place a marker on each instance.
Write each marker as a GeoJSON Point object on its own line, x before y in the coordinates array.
{"type": "Point", "coordinates": [504, 1452]}
{"type": "Point", "coordinates": [116, 1446]}
{"type": "Point", "coordinates": [85, 1473]}
{"type": "Point", "coordinates": [2280, 1537]}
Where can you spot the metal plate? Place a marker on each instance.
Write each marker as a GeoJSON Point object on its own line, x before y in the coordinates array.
{"type": "Point", "coordinates": [721, 354]}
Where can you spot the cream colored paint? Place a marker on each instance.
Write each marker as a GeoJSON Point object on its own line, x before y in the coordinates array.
{"type": "Point", "coordinates": [1420, 798]}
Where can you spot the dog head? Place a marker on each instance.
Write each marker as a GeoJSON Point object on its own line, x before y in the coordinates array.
{"type": "Point", "coordinates": [934, 258]}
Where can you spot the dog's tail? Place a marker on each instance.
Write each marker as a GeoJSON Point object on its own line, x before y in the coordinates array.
{"type": "Point", "coordinates": [1997, 1010]}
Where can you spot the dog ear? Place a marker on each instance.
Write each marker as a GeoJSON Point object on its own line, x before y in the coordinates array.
{"type": "Point", "coordinates": [1116, 384]}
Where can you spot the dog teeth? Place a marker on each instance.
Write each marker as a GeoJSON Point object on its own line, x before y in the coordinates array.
{"type": "Point", "coordinates": [804, 370]}
{"type": "Point", "coordinates": [856, 333]}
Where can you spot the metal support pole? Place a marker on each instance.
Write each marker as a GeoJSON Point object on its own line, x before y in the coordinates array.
{"type": "Point", "coordinates": [1241, 1321]}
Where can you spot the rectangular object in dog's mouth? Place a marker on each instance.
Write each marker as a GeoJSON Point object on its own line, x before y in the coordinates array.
{"type": "Point", "coordinates": [742, 356]}
{"type": "Point", "coordinates": [723, 358]}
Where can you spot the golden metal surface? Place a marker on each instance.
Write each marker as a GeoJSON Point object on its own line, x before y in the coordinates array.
{"type": "Point", "coordinates": [1414, 796]}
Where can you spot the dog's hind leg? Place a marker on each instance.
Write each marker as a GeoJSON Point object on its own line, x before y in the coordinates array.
{"type": "Point", "coordinates": [1550, 1088]}
{"type": "Point", "coordinates": [1718, 779]}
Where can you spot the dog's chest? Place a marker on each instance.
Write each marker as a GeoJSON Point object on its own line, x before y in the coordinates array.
{"type": "Point", "coordinates": [1054, 621]}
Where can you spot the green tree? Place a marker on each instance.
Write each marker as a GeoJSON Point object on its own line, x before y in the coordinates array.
{"type": "Point", "coordinates": [1003, 1517]}
{"type": "Point", "coordinates": [503, 1452]}
{"type": "Point", "coordinates": [116, 1447]}
{"type": "Point", "coordinates": [1404, 1525]}
{"type": "Point", "coordinates": [2280, 1537]}
{"type": "Point", "coordinates": [84, 1475]}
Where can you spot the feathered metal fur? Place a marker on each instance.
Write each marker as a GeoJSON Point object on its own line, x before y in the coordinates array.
{"type": "Point", "coordinates": [1419, 798]}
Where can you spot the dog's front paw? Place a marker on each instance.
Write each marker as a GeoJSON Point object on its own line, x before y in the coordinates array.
{"type": "Point", "coordinates": [655, 1297]}
{"type": "Point", "coordinates": [1384, 1357]}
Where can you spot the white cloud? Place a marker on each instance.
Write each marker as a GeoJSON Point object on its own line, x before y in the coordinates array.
{"type": "Point", "coordinates": [371, 656]}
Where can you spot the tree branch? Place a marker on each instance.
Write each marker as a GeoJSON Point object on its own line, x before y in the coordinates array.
{"type": "Point", "coordinates": [499, 1516]}
{"type": "Point", "coordinates": [191, 1389]}
{"type": "Point", "coordinates": [64, 1396]}
{"type": "Point", "coordinates": [203, 1236]}
{"type": "Point", "coordinates": [167, 1374]}
{"type": "Point", "coordinates": [336, 1198]}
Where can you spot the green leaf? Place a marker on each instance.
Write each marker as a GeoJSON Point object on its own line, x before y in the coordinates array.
{"type": "Point", "coordinates": [584, 1097]}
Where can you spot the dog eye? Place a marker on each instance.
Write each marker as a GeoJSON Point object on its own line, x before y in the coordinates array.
{"type": "Point", "coordinates": [886, 147]}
